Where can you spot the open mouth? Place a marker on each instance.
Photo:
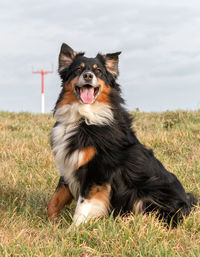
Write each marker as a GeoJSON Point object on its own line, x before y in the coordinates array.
{"type": "Point", "coordinates": [87, 93]}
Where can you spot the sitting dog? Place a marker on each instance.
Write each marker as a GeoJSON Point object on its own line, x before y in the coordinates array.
{"type": "Point", "coordinates": [102, 164]}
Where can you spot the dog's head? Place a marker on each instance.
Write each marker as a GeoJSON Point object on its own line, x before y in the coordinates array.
{"type": "Point", "coordinates": [87, 80]}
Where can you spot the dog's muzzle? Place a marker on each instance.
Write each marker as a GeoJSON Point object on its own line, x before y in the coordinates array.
{"type": "Point", "coordinates": [87, 87]}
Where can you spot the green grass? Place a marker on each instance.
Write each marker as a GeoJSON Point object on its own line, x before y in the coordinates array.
{"type": "Point", "coordinates": [28, 177]}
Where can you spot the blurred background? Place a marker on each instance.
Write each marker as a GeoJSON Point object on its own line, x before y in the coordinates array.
{"type": "Point", "coordinates": [159, 40]}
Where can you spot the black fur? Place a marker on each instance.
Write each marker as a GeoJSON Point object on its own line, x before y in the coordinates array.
{"type": "Point", "coordinates": [122, 161]}
{"type": "Point", "coordinates": [132, 170]}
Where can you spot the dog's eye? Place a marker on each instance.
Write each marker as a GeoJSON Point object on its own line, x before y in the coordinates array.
{"type": "Point", "coordinates": [98, 71]}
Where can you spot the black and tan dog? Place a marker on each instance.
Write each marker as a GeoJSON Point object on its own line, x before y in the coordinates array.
{"type": "Point", "coordinates": [101, 163]}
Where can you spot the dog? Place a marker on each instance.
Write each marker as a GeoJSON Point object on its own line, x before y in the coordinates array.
{"type": "Point", "coordinates": [102, 165]}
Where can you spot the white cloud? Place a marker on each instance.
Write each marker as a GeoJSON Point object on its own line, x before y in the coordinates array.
{"type": "Point", "coordinates": [160, 41]}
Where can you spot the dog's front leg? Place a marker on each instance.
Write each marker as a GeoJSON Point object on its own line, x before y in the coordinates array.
{"type": "Point", "coordinates": [95, 204]}
{"type": "Point", "coordinates": [61, 196]}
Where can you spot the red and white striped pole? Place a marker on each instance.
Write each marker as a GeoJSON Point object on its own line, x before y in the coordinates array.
{"type": "Point", "coordinates": [42, 92]}
{"type": "Point", "coordinates": [42, 86]}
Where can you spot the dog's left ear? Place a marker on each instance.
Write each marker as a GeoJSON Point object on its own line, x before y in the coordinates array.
{"type": "Point", "coordinates": [111, 63]}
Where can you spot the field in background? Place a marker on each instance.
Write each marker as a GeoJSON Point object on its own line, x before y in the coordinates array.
{"type": "Point", "coordinates": [28, 177]}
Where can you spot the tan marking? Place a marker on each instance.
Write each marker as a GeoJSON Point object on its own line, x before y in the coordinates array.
{"type": "Point", "coordinates": [60, 198]}
{"type": "Point", "coordinates": [104, 92]}
{"type": "Point", "coordinates": [82, 64]}
{"type": "Point", "coordinates": [69, 95]}
{"type": "Point", "coordinates": [101, 193]}
{"type": "Point", "coordinates": [95, 66]}
{"type": "Point", "coordinates": [88, 153]}
{"type": "Point", "coordinates": [138, 207]}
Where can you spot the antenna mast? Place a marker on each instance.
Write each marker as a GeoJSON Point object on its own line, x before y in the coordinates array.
{"type": "Point", "coordinates": [42, 72]}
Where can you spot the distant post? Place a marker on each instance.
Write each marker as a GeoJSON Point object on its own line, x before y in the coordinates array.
{"type": "Point", "coordinates": [42, 72]}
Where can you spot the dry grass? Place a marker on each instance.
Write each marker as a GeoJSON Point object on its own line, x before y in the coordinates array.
{"type": "Point", "coordinates": [28, 177]}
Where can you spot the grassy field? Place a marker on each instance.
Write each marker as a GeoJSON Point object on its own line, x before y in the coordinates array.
{"type": "Point", "coordinates": [28, 177]}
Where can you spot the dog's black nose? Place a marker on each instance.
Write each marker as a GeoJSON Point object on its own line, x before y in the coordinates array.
{"type": "Point", "coordinates": [88, 76]}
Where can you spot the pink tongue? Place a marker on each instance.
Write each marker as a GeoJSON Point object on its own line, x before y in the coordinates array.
{"type": "Point", "coordinates": [87, 94]}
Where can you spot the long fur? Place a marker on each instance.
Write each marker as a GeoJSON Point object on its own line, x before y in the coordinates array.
{"type": "Point", "coordinates": [138, 182]}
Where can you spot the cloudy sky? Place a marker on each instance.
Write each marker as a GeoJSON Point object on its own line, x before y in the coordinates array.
{"type": "Point", "coordinates": [159, 40]}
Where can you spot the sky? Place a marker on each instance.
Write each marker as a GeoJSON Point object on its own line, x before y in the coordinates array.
{"type": "Point", "coordinates": [159, 39]}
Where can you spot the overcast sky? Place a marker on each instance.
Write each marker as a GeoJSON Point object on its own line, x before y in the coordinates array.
{"type": "Point", "coordinates": [159, 40]}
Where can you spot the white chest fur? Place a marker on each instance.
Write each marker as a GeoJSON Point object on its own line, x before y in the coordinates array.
{"type": "Point", "coordinates": [66, 164]}
{"type": "Point", "coordinates": [68, 117]}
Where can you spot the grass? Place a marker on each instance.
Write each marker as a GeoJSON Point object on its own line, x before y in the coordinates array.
{"type": "Point", "coordinates": [28, 177]}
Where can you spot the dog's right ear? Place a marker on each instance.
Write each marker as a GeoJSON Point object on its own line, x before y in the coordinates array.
{"type": "Point", "coordinates": [66, 57]}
